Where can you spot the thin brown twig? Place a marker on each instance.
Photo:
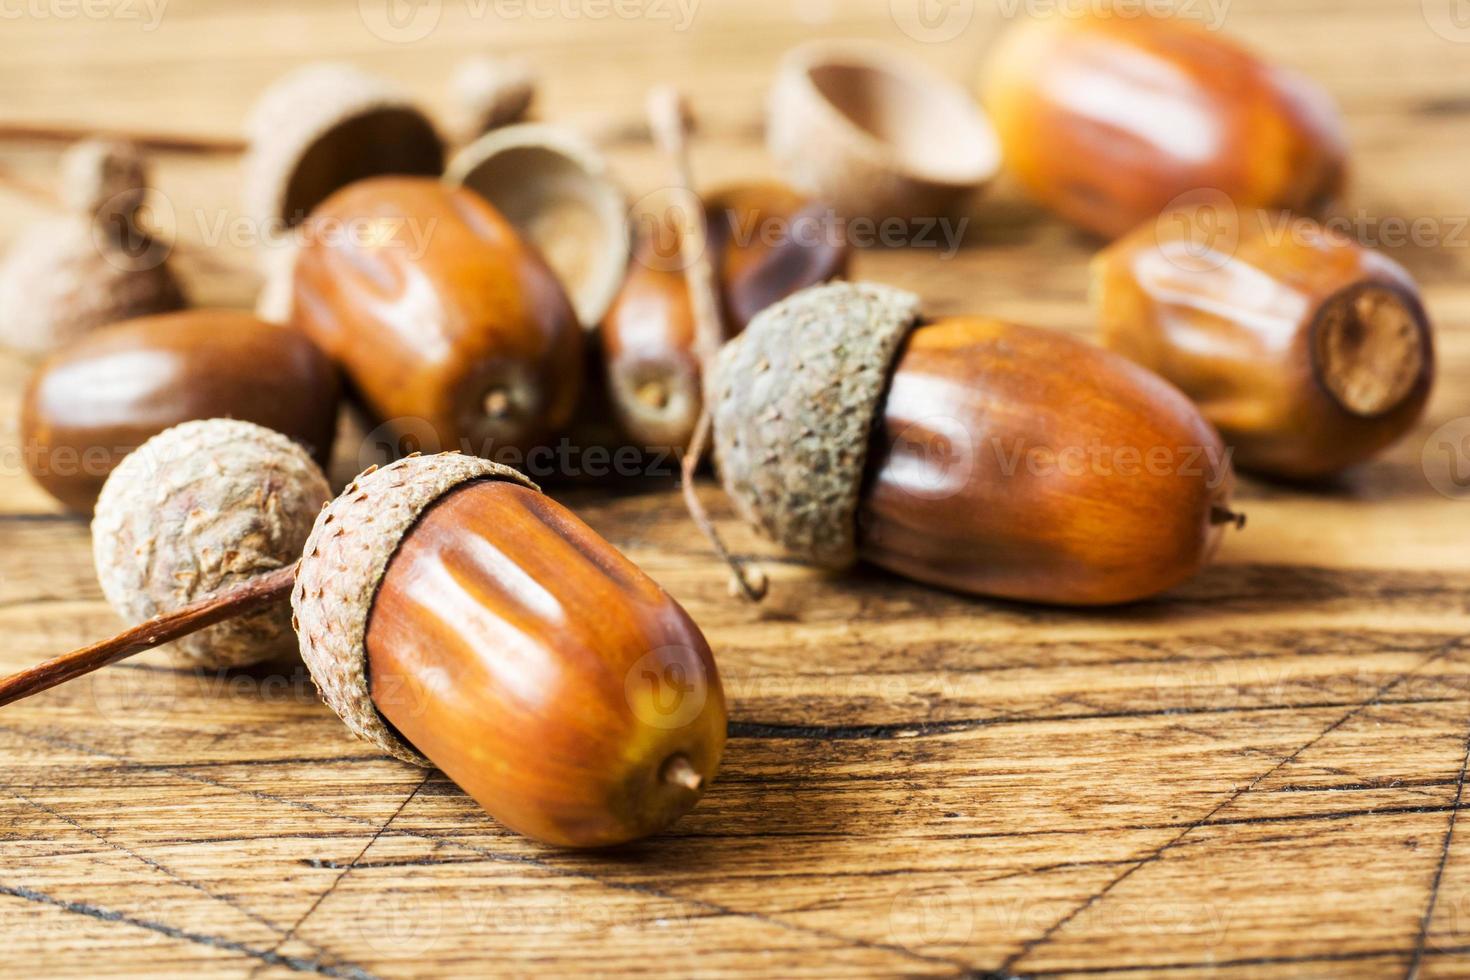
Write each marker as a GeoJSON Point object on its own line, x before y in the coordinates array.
{"type": "Point", "coordinates": [668, 119]}
{"type": "Point", "coordinates": [255, 593]}
{"type": "Point", "coordinates": [19, 132]}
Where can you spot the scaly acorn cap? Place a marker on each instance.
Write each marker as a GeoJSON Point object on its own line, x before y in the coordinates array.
{"type": "Point", "coordinates": [323, 127]}
{"type": "Point", "coordinates": [794, 399]}
{"type": "Point", "coordinates": [354, 539]}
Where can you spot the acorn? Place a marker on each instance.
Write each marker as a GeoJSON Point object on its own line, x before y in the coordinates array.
{"type": "Point", "coordinates": [1310, 353]}
{"type": "Point", "coordinates": [97, 264]}
{"type": "Point", "coordinates": [201, 507]}
{"type": "Point", "coordinates": [454, 617]}
{"type": "Point", "coordinates": [766, 242]}
{"type": "Point", "coordinates": [449, 326]}
{"type": "Point", "coordinates": [1107, 119]}
{"type": "Point", "coordinates": [95, 401]}
{"type": "Point", "coordinates": [964, 452]}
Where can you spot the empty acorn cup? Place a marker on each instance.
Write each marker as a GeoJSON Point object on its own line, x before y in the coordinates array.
{"type": "Point", "coordinates": [877, 133]}
{"type": "Point", "coordinates": [555, 188]}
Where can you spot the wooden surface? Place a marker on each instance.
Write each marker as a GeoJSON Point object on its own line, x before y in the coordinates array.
{"type": "Point", "coordinates": [1258, 775]}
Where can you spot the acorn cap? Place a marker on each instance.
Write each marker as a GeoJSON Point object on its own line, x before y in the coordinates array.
{"type": "Point", "coordinates": [198, 508]}
{"type": "Point", "coordinates": [326, 126]}
{"type": "Point", "coordinates": [559, 193]}
{"type": "Point", "coordinates": [794, 401]}
{"type": "Point", "coordinates": [354, 539]}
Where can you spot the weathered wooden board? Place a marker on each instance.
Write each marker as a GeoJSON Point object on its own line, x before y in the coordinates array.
{"type": "Point", "coordinates": [1257, 775]}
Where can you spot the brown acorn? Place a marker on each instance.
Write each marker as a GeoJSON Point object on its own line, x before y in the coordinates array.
{"type": "Point", "coordinates": [452, 616]}
{"type": "Point", "coordinates": [766, 242]}
{"type": "Point", "coordinates": [92, 403]}
{"type": "Point", "coordinates": [1107, 118]}
{"type": "Point", "coordinates": [967, 453]}
{"type": "Point", "coordinates": [450, 328]}
{"type": "Point", "coordinates": [1308, 352]}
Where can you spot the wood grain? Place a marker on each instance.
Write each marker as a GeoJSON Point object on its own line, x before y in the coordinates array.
{"type": "Point", "coordinates": [1257, 775]}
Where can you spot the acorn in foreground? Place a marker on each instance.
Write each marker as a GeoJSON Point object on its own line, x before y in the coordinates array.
{"type": "Point", "coordinates": [201, 507]}
{"type": "Point", "coordinates": [455, 617]}
{"type": "Point", "coordinates": [964, 452]}
{"type": "Point", "coordinates": [1308, 352]}
{"type": "Point", "coordinates": [1106, 118]}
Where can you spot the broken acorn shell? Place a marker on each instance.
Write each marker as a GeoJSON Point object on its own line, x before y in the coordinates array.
{"type": "Point", "coordinates": [1108, 119]}
{"type": "Point", "coordinates": [490, 92]}
{"type": "Point", "coordinates": [1308, 352]}
{"type": "Point", "coordinates": [451, 328]}
{"type": "Point", "coordinates": [455, 617]}
{"type": "Point", "coordinates": [557, 190]}
{"type": "Point", "coordinates": [766, 242]}
{"type": "Point", "coordinates": [876, 133]}
{"type": "Point", "coordinates": [93, 402]}
{"type": "Point", "coordinates": [69, 274]}
{"type": "Point", "coordinates": [199, 508]}
{"type": "Point", "coordinates": [967, 453]}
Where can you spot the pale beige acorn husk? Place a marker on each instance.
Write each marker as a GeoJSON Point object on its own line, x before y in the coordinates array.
{"type": "Point", "coordinates": [198, 508]}
{"type": "Point", "coordinates": [68, 274]}
{"type": "Point", "coordinates": [490, 92]}
{"type": "Point", "coordinates": [876, 133]}
{"type": "Point", "coordinates": [321, 128]}
{"type": "Point", "coordinates": [559, 193]}
{"type": "Point", "coordinates": [344, 560]}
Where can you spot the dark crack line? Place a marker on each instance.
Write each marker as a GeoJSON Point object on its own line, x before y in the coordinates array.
{"type": "Point", "coordinates": [267, 957]}
{"type": "Point", "coordinates": [710, 908]}
{"type": "Point", "coordinates": [155, 865]}
{"type": "Point", "coordinates": [1444, 857]}
{"type": "Point", "coordinates": [1031, 945]}
{"type": "Point", "coordinates": [291, 932]}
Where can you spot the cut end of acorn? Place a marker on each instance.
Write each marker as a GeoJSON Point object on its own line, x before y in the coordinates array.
{"type": "Point", "coordinates": [679, 771]}
{"type": "Point", "coordinates": [1370, 347]}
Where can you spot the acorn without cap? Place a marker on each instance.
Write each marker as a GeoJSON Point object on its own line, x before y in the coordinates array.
{"type": "Point", "coordinates": [202, 507]}
{"type": "Point", "coordinates": [964, 452]}
{"type": "Point", "coordinates": [1308, 352]}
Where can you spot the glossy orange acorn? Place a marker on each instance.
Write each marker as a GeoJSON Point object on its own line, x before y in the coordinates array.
{"type": "Point", "coordinates": [1308, 352]}
{"type": "Point", "coordinates": [1106, 118]}
{"type": "Point", "coordinates": [454, 616]}
{"type": "Point", "coordinates": [766, 242]}
{"type": "Point", "coordinates": [965, 452]}
{"type": "Point", "coordinates": [440, 315]}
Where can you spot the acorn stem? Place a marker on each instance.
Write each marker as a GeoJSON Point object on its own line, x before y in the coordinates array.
{"type": "Point", "coordinates": [248, 596]}
{"type": "Point", "coordinates": [679, 771]}
{"type": "Point", "coordinates": [1224, 515]}
{"type": "Point", "coordinates": [668, 119]}
{"type": "Point", "coordinates": [148, 140]}
{"type": "Point", "coordinates": [750, 581]}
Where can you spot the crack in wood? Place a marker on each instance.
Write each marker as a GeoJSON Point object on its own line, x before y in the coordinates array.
{"type": "Point", "coordinates": [1444, 856]}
